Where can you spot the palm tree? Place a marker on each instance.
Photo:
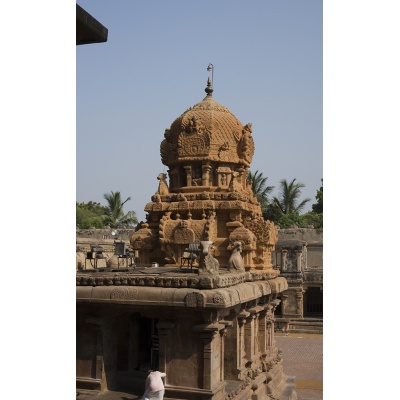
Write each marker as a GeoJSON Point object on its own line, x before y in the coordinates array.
{"type": "Point", "coordinates": [259, 187]}
{"type": "Point", "coordinates": [115, 216]}
{"type": "Point", "coordinates": [289, 196]}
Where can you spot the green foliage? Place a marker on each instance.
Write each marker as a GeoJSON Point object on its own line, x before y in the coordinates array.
{"type": "Point", "coordinates": [272, 213]}
{"type": "Point", "coordinates": [260, 189]}
{"type": "Point", "coordinates": [288, 200]}
{"type": "Point", "coordinates": [284, 210]}
{"type": "Point", "coordinates": [318, 206]}
{"type": "Point", "coordinates": [291, 220]}
{"type": "Point", "coordinates": [314, 219]}
{"type": "Point", "coordinates": [89, 215]}
{"type": "Point", "coordinates": [92, 222]}
{"type": "Point", "coordinates": [115, 216]}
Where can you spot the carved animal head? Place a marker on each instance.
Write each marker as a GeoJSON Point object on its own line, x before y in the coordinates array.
{"type": "Point", "coordinates": [162, 177]}
{"type": "Point", "coordinates": [206, 247]}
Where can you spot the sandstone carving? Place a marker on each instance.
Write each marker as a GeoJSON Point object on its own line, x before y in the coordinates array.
{"type": "Point", "coordinates": [207, 264]}
{"type": "Point", "coordinates": [235, 262]}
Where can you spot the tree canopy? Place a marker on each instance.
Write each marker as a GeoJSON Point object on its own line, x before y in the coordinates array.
{"type": "Point", "coordinates": [288, 200]}
{"type": "Point", "coordinates": [94, 215]}
{"type": "Point", "coordinates": [285, 209]}
{"type": "Point", "coordinates": [115, 216]}
{"type": "Point", "coordinates": [260, 188]}
{"type": "Point", "coordinates": [89, 215]}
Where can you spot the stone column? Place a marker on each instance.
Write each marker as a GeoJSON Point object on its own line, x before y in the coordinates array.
{"type": "Point", "coordinates": [222, 334]}
{"type": "Point", "coordinates": [164, 329]}
{"type": "Point", "coordinates": [109, 351]}
{"type": "Point", "coordinates": [299, 302]}
{"type": "Point", "coordinates": [133, 359]}
{"type": "Point", "coordinates": [241, 345]}
{"type": "Point", "coordinates": [241, 177]}
{"type": "Point", "coordinates": [284, 259]}
{"type": "Point", "coordinates": [274, 304]}
{"type": "Point", "coordinates": [298, 259]}
{"type": "Point", "coordinates": [188, 169]}
{"type": "Point", "coordinates": [206, 174]}
{"type": "Point", "coordinates": [255, 348]}
{"type": "Point", "coordinates": [284, 297]}
{"type": "Point", "coordinates": [249, 338]}
{"type": "Point", "coordinates": [211, 354]}
{"type": "Point", "coordinates": [98, 370]}
{"type": "Point", "coordinates": [262, 331]}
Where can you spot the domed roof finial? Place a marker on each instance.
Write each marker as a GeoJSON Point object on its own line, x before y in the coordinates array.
{"type": "Point", "coordinates": [209, 89]}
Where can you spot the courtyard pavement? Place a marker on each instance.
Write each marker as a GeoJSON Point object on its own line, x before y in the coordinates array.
{"type": "Point", "coordinates": [302, 358]}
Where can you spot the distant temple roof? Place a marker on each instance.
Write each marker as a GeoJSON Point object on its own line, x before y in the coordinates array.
{"type": "Point", "coordinates": [88, 29]}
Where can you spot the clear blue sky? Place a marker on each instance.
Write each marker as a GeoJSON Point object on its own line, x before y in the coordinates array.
{"type": "Point", "coordinates": [267, 57]}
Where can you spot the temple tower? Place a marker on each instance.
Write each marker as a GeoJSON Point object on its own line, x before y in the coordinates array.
{"type": "Point", "coordinates": [208, 153]}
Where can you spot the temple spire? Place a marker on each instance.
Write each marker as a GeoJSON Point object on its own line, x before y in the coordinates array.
{"type": "Point", "coordinates": [209, 89]}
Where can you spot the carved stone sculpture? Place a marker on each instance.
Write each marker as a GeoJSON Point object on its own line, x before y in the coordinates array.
{"type": "Point", "coordinates": [236, 262]}
{"type": "Point", "coordinates": [207, 263]}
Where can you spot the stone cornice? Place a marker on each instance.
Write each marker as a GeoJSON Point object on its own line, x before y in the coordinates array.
{"type": "Point", "coordinates": [180, 297]}
{"type": "Point", "coordinates": [172, 280]}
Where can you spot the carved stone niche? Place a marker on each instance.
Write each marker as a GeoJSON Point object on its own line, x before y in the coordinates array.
{"type": "Point", "coordinates": [224, 175]}
{"type": "Point", "coordinates": [248, 241]}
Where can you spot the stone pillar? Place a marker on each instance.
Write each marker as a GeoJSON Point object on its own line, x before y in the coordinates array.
{"type": "Point", "coordinates": [298, 259]}
{"type": "Point", "coordinates": [249, 339]}
{"type": "Point", "coordinates": [174, 181]}
{"type": "Point", "coordinates": [241, 177]}
{"type": "Point", "coordinates": [98, 370]}
{"type": "Point", "coordinates": [231, 351]}
{"type": "Point", "coordinates": [284, 259]}
{"type": "Point", "coordinates": [109, 352]}
{"type": "Point", "coordinates": [164, 329]}
{"type": "Point", "coordinates": [299, 302]}
{"type": "Point", "coordinates": [211, 354]}
{"type": "Point", "coordinates": [284, 297]}
{"type": "Point", "coordinates": [171, 179]}
{"type": "Point", "coordinates": [241, 345]}
{"type": "Point", "coordinates": [262, 331]}
{"type": "Point", "coordinates": [133, 359]}
{"type": "Point", "coordinates": [274, 304]}
{"type": "Point", "coordinates": [255, 348]}
{"type": "Point", "coordinates": [206, 174]}
{"type": "Point", "coordinates": [188, 169]}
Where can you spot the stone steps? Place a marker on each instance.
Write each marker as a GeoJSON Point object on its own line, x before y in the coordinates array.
{"type": "Point", "coordinates": [307, 326]}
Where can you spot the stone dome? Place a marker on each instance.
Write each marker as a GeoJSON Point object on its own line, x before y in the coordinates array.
{"type": "Point", "coordinates": [207, 131]}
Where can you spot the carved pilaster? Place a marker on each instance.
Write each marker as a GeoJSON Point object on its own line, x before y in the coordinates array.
{"type": "Point", "coordinates": [241, 346]}
{"type": "Point", "coordinates": [206, 174]}
{"type": "Point", "coordinates": [255, 347]}
{"type": "Point", "coordinates": [164, 329]}
{"type": "Point", "coordinates": [299, 302]}
{"type": "Point", "coordinates": [284, 259]}
{"type": "Point", "coordinates": [188, 169]}
{"type": "Point", "coordinates": [298, 254]}
{"type": "Point", "coordinates": [262, 331]}
{"type": "Point", "coordinates": [249, 338]}
{"type": "Point", "coordinates": [211, 354]}
{"type": "Point", "coordinates": [222, 333]}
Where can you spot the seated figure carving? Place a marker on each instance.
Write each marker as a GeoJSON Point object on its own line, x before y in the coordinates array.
{"type": "Point", "coordinates": [236, 262]}
{"type": "Point", "coordinates": [207, 263]}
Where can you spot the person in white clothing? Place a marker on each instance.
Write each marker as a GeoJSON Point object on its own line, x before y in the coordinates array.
{"type": "Point", "coordinates": [154, 386]}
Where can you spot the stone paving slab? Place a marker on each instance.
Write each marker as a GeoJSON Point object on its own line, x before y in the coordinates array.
{"type": "Point", "coordinates": [302, 357]}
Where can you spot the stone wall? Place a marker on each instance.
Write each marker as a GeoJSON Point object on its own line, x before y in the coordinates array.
{"type": "Point", "coordinates": [314, 242]}
{"type": "Point", "coordinates": [299, 257]}
{"type": "Point", "coordinates": [85, 238]}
